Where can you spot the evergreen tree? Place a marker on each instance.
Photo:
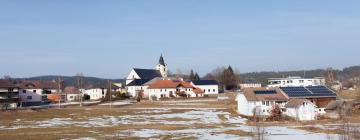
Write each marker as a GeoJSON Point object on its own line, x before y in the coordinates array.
{"type": "Point", "coordinates": [197, 77]}
{"type": "Point", "coordinates": [192, 75]}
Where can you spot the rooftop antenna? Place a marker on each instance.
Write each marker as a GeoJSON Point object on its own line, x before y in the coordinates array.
{"type": "Point", "coordinates": [304, 73]}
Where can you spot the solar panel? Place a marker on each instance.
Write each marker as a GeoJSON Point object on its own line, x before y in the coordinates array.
{"type": "Point", "coordinates": [265, 91]}
{"type": "Point", "coordinates": [308, 91]}
{"type": "Point", "coordinates": [296, 91]}
{"type": "Point", "coordinates": [321, 91]}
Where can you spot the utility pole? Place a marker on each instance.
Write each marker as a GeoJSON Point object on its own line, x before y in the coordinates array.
{"type": "Point", "coordinates": [110, 93]}
{"type": "Point", "coordinates": [58, 90]}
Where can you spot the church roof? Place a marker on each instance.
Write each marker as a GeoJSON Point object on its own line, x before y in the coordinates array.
{"type": "Point", "coordinates": [147, 73]}
{"type": "Point", "coordinates": [205, 82]}
{"type": "Point", "coordinates": [161, 61]}
{"type": "Point", "coordinates": [138, 82]}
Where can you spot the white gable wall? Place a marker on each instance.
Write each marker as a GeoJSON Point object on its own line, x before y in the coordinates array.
{"type": "Point", "coordinates": [31, 95]}
{"type": "Point", "coordinates": [133, 75]}
{"type": "Point", "coordinates": [305, 112]}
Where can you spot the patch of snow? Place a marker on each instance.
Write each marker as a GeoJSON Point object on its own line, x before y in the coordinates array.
{"type": "Point", "coordinates": [55, 122]}
{"type": "Point", "coordinates": [118, 103]}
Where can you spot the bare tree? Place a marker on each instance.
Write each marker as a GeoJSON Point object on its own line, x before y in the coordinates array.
{"type": "Point", "coordinates": [79, 82]}
{"type": "Point", "coordinates": [259, 128]}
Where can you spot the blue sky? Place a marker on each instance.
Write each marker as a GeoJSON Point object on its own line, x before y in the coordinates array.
{"type": "Point", "coordinates": [107, 38]}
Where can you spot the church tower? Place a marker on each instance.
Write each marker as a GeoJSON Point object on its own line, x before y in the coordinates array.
{"type": "Point", "coordinates": [162, 67]}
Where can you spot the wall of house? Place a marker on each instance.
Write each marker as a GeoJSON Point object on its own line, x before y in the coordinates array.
{"type": "Point", "coordinates": [209, 89]}
{"type": "Point", "coordinates": [158, 93]}
{"type": "Point", "coordinates": [95, 94]}
{"type": "Point", "coordinates": [262, 108]}
{"type": "Point", "coordinates": [132, 90]}
{"type": "Point", "coordinates": [243, 106]}
{"type": "Point", "coordinates": [31, 95]}
{"type": "Point", "coordinates": [306, 112]}
{"type": "Point", "coordinates": [72, 97]}
{"type": "Point", "coordinates": [296, 82]}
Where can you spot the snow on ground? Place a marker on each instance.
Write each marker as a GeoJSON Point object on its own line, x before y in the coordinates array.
{"type": "Point", "coordinates": [117, 103]}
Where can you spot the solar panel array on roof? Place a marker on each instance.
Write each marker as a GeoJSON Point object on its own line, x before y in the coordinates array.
{"type": "Point", "coordinates": [308, 91]}
{"type": "Point", "coordinates": [321, 90]}
{"type": "Point", "coordinates": [265, 91]}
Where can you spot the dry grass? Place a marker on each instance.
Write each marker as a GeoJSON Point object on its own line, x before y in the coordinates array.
{"type": "Point", "coordinates": [84, 113]}
{"type": "Point", "coordinates": [350, 94]}
{"type": "Point", "coordinates": [239, 133]}
{"type": "Point", "coordinates": [319, 130]}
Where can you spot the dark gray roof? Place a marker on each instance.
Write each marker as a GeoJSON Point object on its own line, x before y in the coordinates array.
{"type": "Point", "coordinates": [147, 73]}
{"type": "Point", "coordinates": [138, 82]}
{"type": "Point", "coordinates": [205, 82]}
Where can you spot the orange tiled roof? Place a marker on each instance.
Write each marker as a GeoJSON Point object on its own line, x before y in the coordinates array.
{"type": "Point", "coordinates": [198, 90]}
{"type": "Point", "coordinates": [185, 84]}
{"type": "Point", "coordinates": [163, 84]}
{"type": "Point", "coordinates": [169, 84]}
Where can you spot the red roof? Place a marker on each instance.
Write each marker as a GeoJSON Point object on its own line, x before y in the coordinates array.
{"type": "Point", "coordinates": [198, 90]}
{"type": "Point", "coordinates": [169, 84]}
{"type": "Point", "coordinates": [38, 85]}
{"type": "Point", "coordinates": [163, 84]}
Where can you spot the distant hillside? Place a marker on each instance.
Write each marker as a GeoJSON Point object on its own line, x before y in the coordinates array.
{"type": "Point", "coordinates": [71, 80]}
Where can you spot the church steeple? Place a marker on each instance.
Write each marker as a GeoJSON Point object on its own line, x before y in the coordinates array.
{"type": "Point", "coordinates": [162, 67]}
{"type": "Point", "coordinates": [161, 60]}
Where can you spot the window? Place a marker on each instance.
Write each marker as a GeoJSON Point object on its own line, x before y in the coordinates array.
{"type": "Point", "coordinates": [209, 90]}
{"type": "Point", "coordinates": [213, 90]}
{"type": "Point", "coordinates": [160, 90]}
{"type": "Point", "coordinates": [34, 91]}
{"type": "Point", "coordinates": [267, 103]}
{"type": "Point", "coordinates": [263, 102]}
{"type": "Point", "coordinates": [24, 91]}
{"type": "Point", "coordinates": [29, 97]}
{"type": "Point", "coordinates": [204, 90]}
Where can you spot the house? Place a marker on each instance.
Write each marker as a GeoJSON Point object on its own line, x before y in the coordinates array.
{"type": "Point", "coordinates": [94, 92]}
{"type": "Point", "coordinates": [36, 92]}
{"type": "Point", "coordinates": [250, 85]}
{"type": "Point", "coordinates": [208, 86]}
{"type": "Point", "coordinates": [138, 77]}
{"type": "Point", "coordinates": [260, 101]}
{"type": "Point", "coordinates": [172, 89]}
{"type": "Point", "coordinates": [72, 93]}
{"type": "Point", "coordinates": [136, 87]}
{"type": "Point", "coordinates": [301, 109]}
{"type": "Point", "coordinates": [296, 82]}
{"type": "Point", "coordinates": [9, 94]}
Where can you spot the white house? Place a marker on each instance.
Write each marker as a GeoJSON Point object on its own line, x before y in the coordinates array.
{"type": "Point", "coordinates": [72, 94]}
{"type": "Point", "coordinates": [260, 101]}
{"type": "Point", "coordinates": [301, 109]}
{"type": "Point", "coordinates": [95, 93]}
{"type": "Point", "coordinates": [136, 87]}
{"type": "Point", "coordinates": [36, 91]}
{"type": "Point", "coordinates": [296, 82]}
{"type": "Point", "coordinates": [171, 89]}
{"type": "Point", "coordinates": [208, 86]}
{"type": "Point", "coordinates": [250, 85]}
